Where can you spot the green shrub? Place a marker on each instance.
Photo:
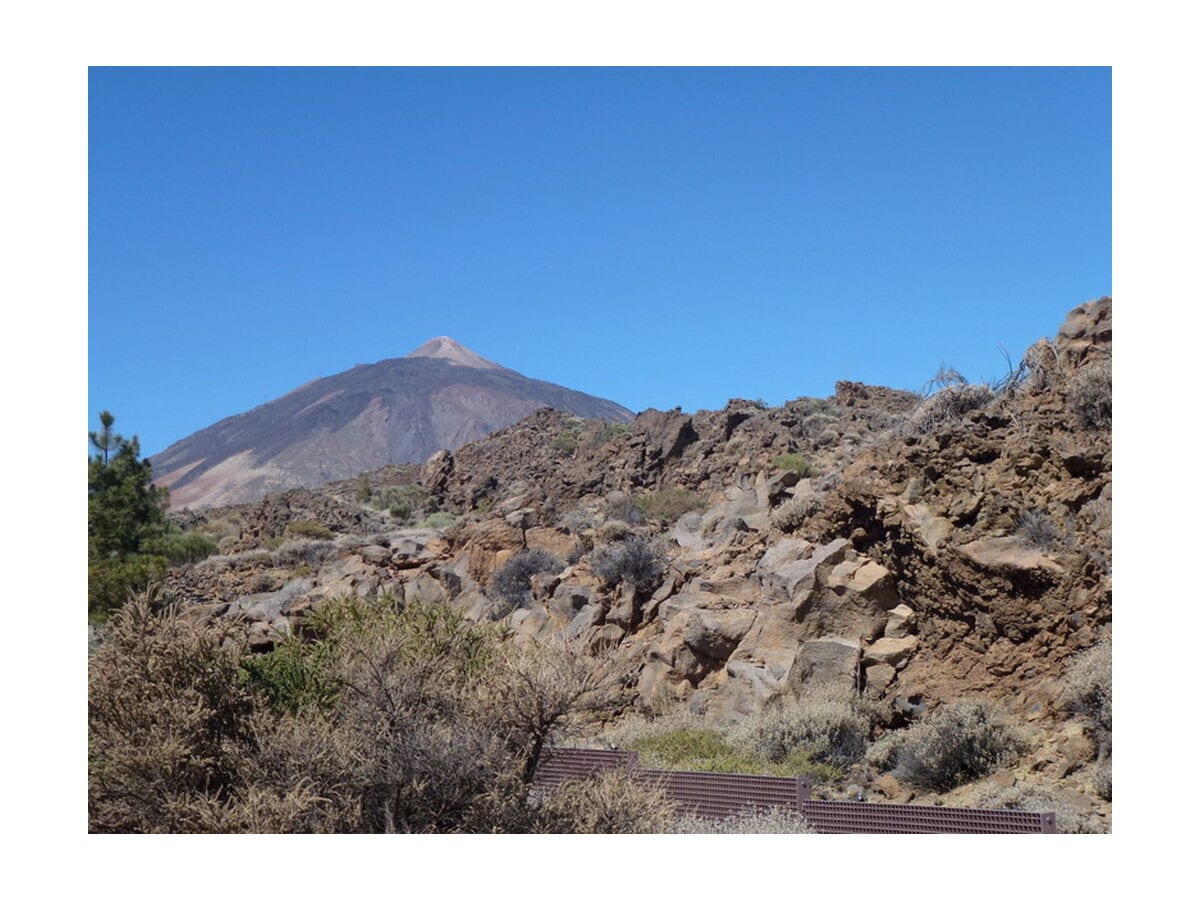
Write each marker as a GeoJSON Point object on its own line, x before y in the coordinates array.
{"type": "Point", "coordinates": [565, 443]}
{"type": "Point", "coordinates": [438, 520]}
{"type": "Point", "coordinates": [794, 462]}
{"type": "Point", "coordinates": [511, 582]}
{"type": "Point", "coordinates": [956, 744]}
{"type": "Point", "coordinates": [691, 749]}
{"type": "Point", "coordinates": [403, 501]}
{"type": "Point", "coordinates": [112, 581]}
{"type": "Point", "coordinates": [308, 529]}
{"type": "Point", "coordinates": [668, 504]}
{"type": "Point", "coordinates": [294, 675]}
{"type": "Point", "coordinates": [634, 561]}
{"type": "Point", "coordinates": [180, 548]}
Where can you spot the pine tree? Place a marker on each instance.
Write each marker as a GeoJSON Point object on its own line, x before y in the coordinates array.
{"type": "Point", "coordinates": [125, 512]}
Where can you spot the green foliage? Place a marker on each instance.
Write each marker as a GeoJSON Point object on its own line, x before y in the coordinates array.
{"type": "Point", "coordinates": [565, 443]}
{"type": "Point", "coordinates": [668, 504]}
{"type": "Point", "coordinates": [794, 462]}
{"type": "Point", "coordinates": [112, 580]}
{"type": "Point", "coordinates": [706, 750]}
{"type": "Point", "coordinates": [403, 501]}
{"type": "Point", "coordinates": [126, 513]}
{"type": "Point", "coordinates": [612, 430]}
{"type": "Point", "coordinates": [181, 547]}
{"type": "Point", "coordinates": [301, 672]}
{"type": "Point", "coordinates": [295, 675]}
{"type": "Point", "coordinates": [309, 529]}
{"type": "Point", "coordinates": [438, 520]}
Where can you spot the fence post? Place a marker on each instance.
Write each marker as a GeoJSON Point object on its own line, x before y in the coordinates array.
{"type": "Point", "coordinates": [1049, 823]}
{"type": "Point", "coordinates": [803, 788]}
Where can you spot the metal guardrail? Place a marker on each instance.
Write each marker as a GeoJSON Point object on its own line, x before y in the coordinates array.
{"type": "Point", "coordinates": [840, 817]}
{"type": "Point", "coordinates": [717, 795]}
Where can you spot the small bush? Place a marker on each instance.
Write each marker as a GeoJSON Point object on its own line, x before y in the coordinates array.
{"type": "Point", "coordinates": [1089, 394]}
{"type": "Point", "coordinates": [439, 521]}
{"type": "Point", "coordinates": [1036, 529]}
{"type": "Point", "coordinates": [827, 728]}
{"type": "Point", "coordinates": [565, 443]}
{"type": "Point", "coordinates": [402, 501]}
{"type": "Point", "coordinates": [634, 561]}
{"type": "Point", "coordinates": [612, 803]}
{"type": "Point", "coordinates": [949, 405]}
{"type": "Point", "coordinates": [1087, 691]}
{"type": "Point", "coordinates": [181, 548]}
{"type": "Point", "coordinates": [700, 749]}
{"type": "Point", "coordinates": [624, 508]}
{"type": "Point", "coordinates": [793, 513]}
{"type": "Point", "coordinates": [111, 581]}
{"type": "Point", "coordinates": [794, 462]}
{"type": "Point", "coordinates": [308, 529]}
{"type": "Point", "coordinates": [302, 551]}
{"type": "Point", "coordinates": [668, 504]}
{"type": "Point", "coordinates": [294, 675]}
{"type": "Point", "coordinates": [956, 744]}
{"type": "Point", "coordinates": [511, 582]}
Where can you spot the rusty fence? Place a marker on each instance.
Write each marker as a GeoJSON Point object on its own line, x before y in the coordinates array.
{"type": "Point", "coordinates": [717, 795]}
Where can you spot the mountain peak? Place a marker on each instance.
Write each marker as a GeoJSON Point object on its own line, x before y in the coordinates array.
{"type": "Point", "coordinates": [453, 352]}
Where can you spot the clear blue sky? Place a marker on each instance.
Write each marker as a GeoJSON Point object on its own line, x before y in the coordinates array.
{"type": "Point", "coordinates": [658, 237]}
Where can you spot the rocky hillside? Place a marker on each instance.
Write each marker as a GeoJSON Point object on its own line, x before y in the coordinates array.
{"type": "Point", "coordinates": [913, 550]}
{"type": "Point", "coordinates": [441, 395]}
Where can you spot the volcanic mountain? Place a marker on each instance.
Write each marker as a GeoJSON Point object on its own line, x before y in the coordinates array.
{"type": "Point", "coordinates": [440, 396]}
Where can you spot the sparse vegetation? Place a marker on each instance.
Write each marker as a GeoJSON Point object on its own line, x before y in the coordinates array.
{"type": "Point", "coordinates": [388, 719]}
{"type": "Point", "coordinates": [794, 462]}
{"type": "Point", "coordinates": [700, 749]}
{"type": "Point", "coordinates": [794, 512]}
{"type": "Point", "coordinates": [438, 520]}
{"type": "Point", "coordinates": [511, 583]}
{"type": "Point", "coordinates": [949, 405]}
{"type": "Point", "coordinates": [1089, 394]}
{"type": "Point", "coordinates": [611, 803]}
{"type": "Point", "coordinates": [306, 528]}
{"type": "Point", "coordinates": [1036, 529]}
{"type": "Point", "coordinates": [1035, 798]}
{"type": "Point", "coordinates": [668, 504]}
{"type": "Point", "coordinates": [1087, 691]}
{"type": "Point", "coordinates": [954, 745]}
{"type": "Point", "coordinates": [634, 561]}
{"type": "Point", "coordinates": [826, 728]}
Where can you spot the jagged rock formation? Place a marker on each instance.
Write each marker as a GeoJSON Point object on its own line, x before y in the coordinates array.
{"type": "Point", "coordinates": [441, 395]}
{"type": "Point", "coordinates": [933, 549]}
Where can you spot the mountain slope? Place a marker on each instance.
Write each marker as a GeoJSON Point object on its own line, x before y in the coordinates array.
{"type": "Point", "coordinates": [440, 396]}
